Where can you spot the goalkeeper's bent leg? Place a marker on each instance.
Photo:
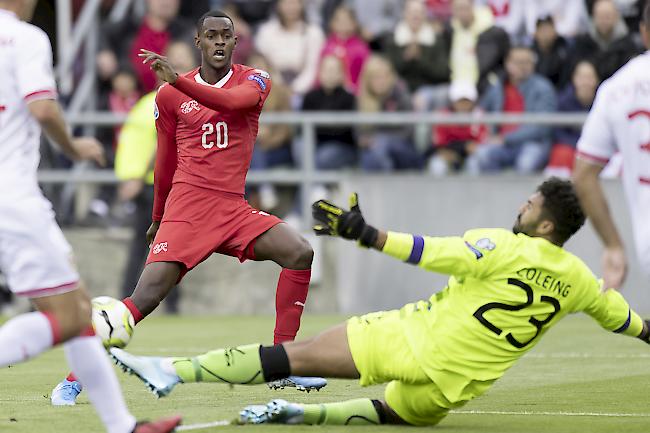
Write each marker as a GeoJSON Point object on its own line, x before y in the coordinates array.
{"type": "Point", "coordinates": [326, 355]}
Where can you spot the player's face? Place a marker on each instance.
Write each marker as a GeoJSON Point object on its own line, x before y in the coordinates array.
{"type": "Point", "coordinates": [217, 41]}
{"type": "Point", "coordinates": [530, 216]}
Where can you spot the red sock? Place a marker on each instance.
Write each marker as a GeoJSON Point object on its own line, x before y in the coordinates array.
{"type": "Point", "coordinates": [290, 298]}
{"type": "Point", "coordinates": [137, 315]}
{"type": "Point", "coordinates": [88, 332]}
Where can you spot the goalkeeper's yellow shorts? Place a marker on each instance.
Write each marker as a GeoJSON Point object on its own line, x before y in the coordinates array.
{"type": "Point", "coordinates": [381, 354]}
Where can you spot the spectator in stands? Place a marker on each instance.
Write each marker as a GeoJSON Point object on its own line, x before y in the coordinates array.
{"type": "Point", "coordinates": [467, 23]}
{"type": "Point", "coordinates": [244, 34]}
{"type": "Point", "coordinates": [335, 145]}
{"type": "Point", "coordinates": [477, 48]}
{"type": "Point", "coordinates": [526, 147]}
{"type": "Point", "coordinates": [608, 43]}
{"type": "Point", "coordinates": [124, 94]}
{"type": "Point", "coordinates": [569, 16]}
{"type": "Point", "coordinates": [509, 15]}
{"type": "Point", "coordinates": [384, 148]}
{"type": "Point", "coordinates": [121, 42]}
{"type": "Point", "coordinates": [417, 53]}
{"type": "Point", "coordinates": [254, 12]}
{"type": "Point", "coordinates": [345, 43]}
{"type": "Point", "coordinates": [292, 45]}
{"type": "Point", "coordinates": [630, 10]}
{"type": "Point", "coordinates": [134, 164]}
{"type": "Point", "coordinates": [552, 52]}
{"type": "Point", "coordinates": [377, 19]}
{"type": "Point", "coordinates": [192, 10]}
{"type": "Point", "coordinates": [577, 96]}
{"type": "Point", "coordinates": [452, 144]}
{"type": "Point", "coordinates": [273, 145]}
{"type": "Point", "coordinates": [439, 11]}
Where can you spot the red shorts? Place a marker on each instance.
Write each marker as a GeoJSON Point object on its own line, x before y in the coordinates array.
{"type": "Point", "coordinates": [198, 222]}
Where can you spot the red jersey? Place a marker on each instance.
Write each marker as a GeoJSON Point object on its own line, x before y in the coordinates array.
{"type": "Point", "coordinates": [206, 133]}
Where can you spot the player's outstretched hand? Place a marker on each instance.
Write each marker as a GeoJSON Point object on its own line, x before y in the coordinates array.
{"type": "Point", "coordinates": [614, 265]}
{"type": "Point", "coordinates": [160, 65]}
{"type": "Point", "coordinates": [89, 149]}
{"type": "Point", "coordinates": [332, 220]}
{"type": "Point", "coordinates": [151, 232]}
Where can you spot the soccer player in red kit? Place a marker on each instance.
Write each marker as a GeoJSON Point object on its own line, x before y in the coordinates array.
{"type": "Point", "coordinates": [207, 122]}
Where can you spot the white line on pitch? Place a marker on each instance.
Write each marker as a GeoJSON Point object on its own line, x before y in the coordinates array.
{"type": "Point", "coordinates": [525, 412]}
{"type": "Point", "coordinates": [188, 427]}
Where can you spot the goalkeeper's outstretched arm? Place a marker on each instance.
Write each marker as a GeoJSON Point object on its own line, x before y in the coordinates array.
{"type": "Point", "coordinates": [448, 255]}
{"type": "Point", "coordinates": [610, 309]}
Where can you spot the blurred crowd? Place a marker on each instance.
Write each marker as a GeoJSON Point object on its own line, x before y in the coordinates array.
{"type": "Point", "coordinates": [468, 56]}
{"type": "Point", "coordinates": [462, 56]}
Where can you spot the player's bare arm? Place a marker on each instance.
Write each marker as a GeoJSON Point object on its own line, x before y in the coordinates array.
{"type": "Point", "coordinates": [48, 114]}
{"type": "Point", "coordinates": [237, 98]}
{"type": "Point", "coordinates": [594, 203]}
{"type": "Point", "coordinates": [216, 39]}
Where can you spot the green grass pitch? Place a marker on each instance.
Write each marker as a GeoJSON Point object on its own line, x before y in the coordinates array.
{"type": "Point", "coordinates": [578, 379]}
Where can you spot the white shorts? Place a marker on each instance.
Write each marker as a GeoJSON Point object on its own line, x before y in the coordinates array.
{"type": "Point", "coordinates": [34, 255]}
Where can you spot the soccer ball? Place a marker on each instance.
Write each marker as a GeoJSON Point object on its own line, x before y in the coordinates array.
{"type": "Point", "coordinates": [113, 322]}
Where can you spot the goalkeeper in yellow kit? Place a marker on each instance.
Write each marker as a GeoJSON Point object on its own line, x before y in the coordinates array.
{"type": "Point", "coordinates": [506, 289]}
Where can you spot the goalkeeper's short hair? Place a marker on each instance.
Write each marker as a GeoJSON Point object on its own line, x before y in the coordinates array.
{"type": "Point", "coordinates": [562, 206]}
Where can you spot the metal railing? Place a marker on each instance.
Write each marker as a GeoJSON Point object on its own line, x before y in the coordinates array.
{"type": "Point", "coordinates": [306, 174]}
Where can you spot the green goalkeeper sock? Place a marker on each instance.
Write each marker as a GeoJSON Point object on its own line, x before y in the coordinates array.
{"type": "Point", "coordinates": [352, 412]}
{"type": "Point", "coordinates": [236, 365]}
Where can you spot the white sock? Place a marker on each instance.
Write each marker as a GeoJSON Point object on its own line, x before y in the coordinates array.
{"type": "Point", "coordinates": [24, 337]}
{"type": "Point", "coordinates": [89, 362]}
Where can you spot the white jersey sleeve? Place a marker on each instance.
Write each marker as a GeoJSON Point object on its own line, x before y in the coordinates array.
{"type": "Point", "coordinates": [34, 74]}
{"type": "Point", "coordinates": [597, 142]}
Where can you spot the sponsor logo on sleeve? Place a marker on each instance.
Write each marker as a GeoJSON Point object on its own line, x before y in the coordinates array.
{"type": "Point", "coordinates": [156, 113]}
{"type": "Point", "coordinates": [259, 80]}
{"type": "Point", "coordinates": [263, 74]}
{"type": "Point", "coordinates": [485, 244]}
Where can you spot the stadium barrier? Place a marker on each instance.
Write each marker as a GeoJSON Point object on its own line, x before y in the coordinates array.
{"type": "Point", "coordinates": [306, 174]}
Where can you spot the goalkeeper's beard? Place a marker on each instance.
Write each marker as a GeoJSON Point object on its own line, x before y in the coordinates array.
{"type": "Point", "coordinates": [519, 227]}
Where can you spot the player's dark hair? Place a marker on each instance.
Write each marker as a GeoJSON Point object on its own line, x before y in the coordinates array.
{"type": "Point", "coordinates": [213, 14]}
{"type": "Point", "coordinates": [562, 207]}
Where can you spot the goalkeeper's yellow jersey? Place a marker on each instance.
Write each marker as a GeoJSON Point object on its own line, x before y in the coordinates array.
{"type": "Point", "coordinates": [505, 291]}
{"type": "Point", "coordinates": [136, 146]}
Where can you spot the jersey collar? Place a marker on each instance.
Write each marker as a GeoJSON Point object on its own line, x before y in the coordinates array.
{"type": "Point", "coordinates": [219, 84]}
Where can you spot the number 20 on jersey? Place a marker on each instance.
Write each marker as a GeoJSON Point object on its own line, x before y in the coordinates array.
{"type": "Point", "coordinates": [214, 134]}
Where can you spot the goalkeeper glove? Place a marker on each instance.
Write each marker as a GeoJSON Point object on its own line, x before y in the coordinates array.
{"type": "Point", "coordinates": [331, 220]}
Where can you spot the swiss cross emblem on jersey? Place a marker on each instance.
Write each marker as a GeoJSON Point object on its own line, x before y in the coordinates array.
{"type": "Point", "coordinates": [160, 247]}
{"type": "Point", "coordinates": [189, 106]}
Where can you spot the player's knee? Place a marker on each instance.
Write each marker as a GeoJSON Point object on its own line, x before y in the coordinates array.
{"type": "Point", "coordinates": [74, 318]}
{"type": "Point", "coordinates": [301, 256]}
